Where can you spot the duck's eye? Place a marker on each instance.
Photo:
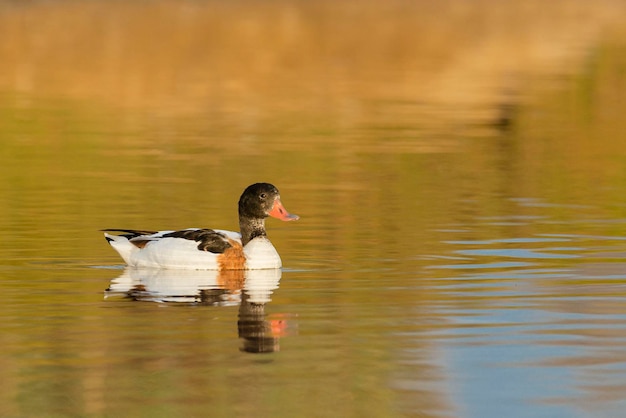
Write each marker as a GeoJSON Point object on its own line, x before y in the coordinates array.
{"type": "Point", "coordinates": [263, 195]}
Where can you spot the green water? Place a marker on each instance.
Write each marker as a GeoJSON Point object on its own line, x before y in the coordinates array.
{"type": "Point", "coordinates": [457, 255]}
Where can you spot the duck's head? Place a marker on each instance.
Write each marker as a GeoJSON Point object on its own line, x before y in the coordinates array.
{"type": "Point", "coordinates": [261, 200]}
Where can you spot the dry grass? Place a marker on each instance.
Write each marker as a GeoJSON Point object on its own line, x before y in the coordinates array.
{"type": "Point", "coordinates": [445, 61]}
{"type": "Point", "coordinates": [138, 52]}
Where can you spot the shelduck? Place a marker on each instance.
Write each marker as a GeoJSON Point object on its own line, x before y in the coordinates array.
{"type": "Point", "coordinates": [210, 249]}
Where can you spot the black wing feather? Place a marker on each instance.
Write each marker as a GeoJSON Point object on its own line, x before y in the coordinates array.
{"type": "Point", "coordinates": [130, 233]}
{"type": "Point", "coordinates": [207, 239]}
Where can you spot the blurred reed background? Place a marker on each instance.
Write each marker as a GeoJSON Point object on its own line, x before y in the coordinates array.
{"type": "Point", "coordinates": [451, 64]}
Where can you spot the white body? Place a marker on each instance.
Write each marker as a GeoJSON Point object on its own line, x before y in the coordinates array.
{"type": "Point", "coordinates": [261, 254]}
{"type": "Point", "coordinates": [180, 253]}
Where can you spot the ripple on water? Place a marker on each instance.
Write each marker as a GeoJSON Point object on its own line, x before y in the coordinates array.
{"type": "Point", "coordinates": [549, 326]}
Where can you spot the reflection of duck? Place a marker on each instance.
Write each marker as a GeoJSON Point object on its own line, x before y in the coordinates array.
{"type": "Point", "coordinates": [208, 249]}
{"type": "Point", "coordinates": [251, 289]}
{"type": "Point", "coordinates": [196, 286]}
{"type": "Point", "coordinates": [258, 333]}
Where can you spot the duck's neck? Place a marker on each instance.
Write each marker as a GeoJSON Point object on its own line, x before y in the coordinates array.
{"type": "Point", "coordinates": [250, 229]}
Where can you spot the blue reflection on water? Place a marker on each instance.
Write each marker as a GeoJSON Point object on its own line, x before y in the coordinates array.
{"type": "Point", "coordinates": [521, 252]}
{"type": "Point", "coordinates": [495, 265]}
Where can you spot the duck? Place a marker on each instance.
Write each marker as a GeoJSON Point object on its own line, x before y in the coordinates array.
{"type": "Point", "coordinates": [209, 249]}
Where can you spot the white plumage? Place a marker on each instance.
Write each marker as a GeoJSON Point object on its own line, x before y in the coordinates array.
{"type": "Point", "coordinates": [210, 249]}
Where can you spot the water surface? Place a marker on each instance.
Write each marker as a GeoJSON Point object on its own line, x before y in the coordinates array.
{"type": "Point", "coordinates": [461, 250]}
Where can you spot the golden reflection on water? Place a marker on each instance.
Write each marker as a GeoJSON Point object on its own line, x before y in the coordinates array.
{"type": "Point", "coordinates": [459, 170]}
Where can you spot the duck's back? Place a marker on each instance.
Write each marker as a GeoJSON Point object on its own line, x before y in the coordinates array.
{"type": "Point", "coordinates": [195, 249]}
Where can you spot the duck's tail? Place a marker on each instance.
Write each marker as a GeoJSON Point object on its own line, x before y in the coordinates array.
{"type": "Point", "coordinates": [122, 245]}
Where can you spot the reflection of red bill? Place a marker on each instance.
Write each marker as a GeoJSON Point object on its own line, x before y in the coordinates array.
{"type": "Point", "coordinates": [280, 325]}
